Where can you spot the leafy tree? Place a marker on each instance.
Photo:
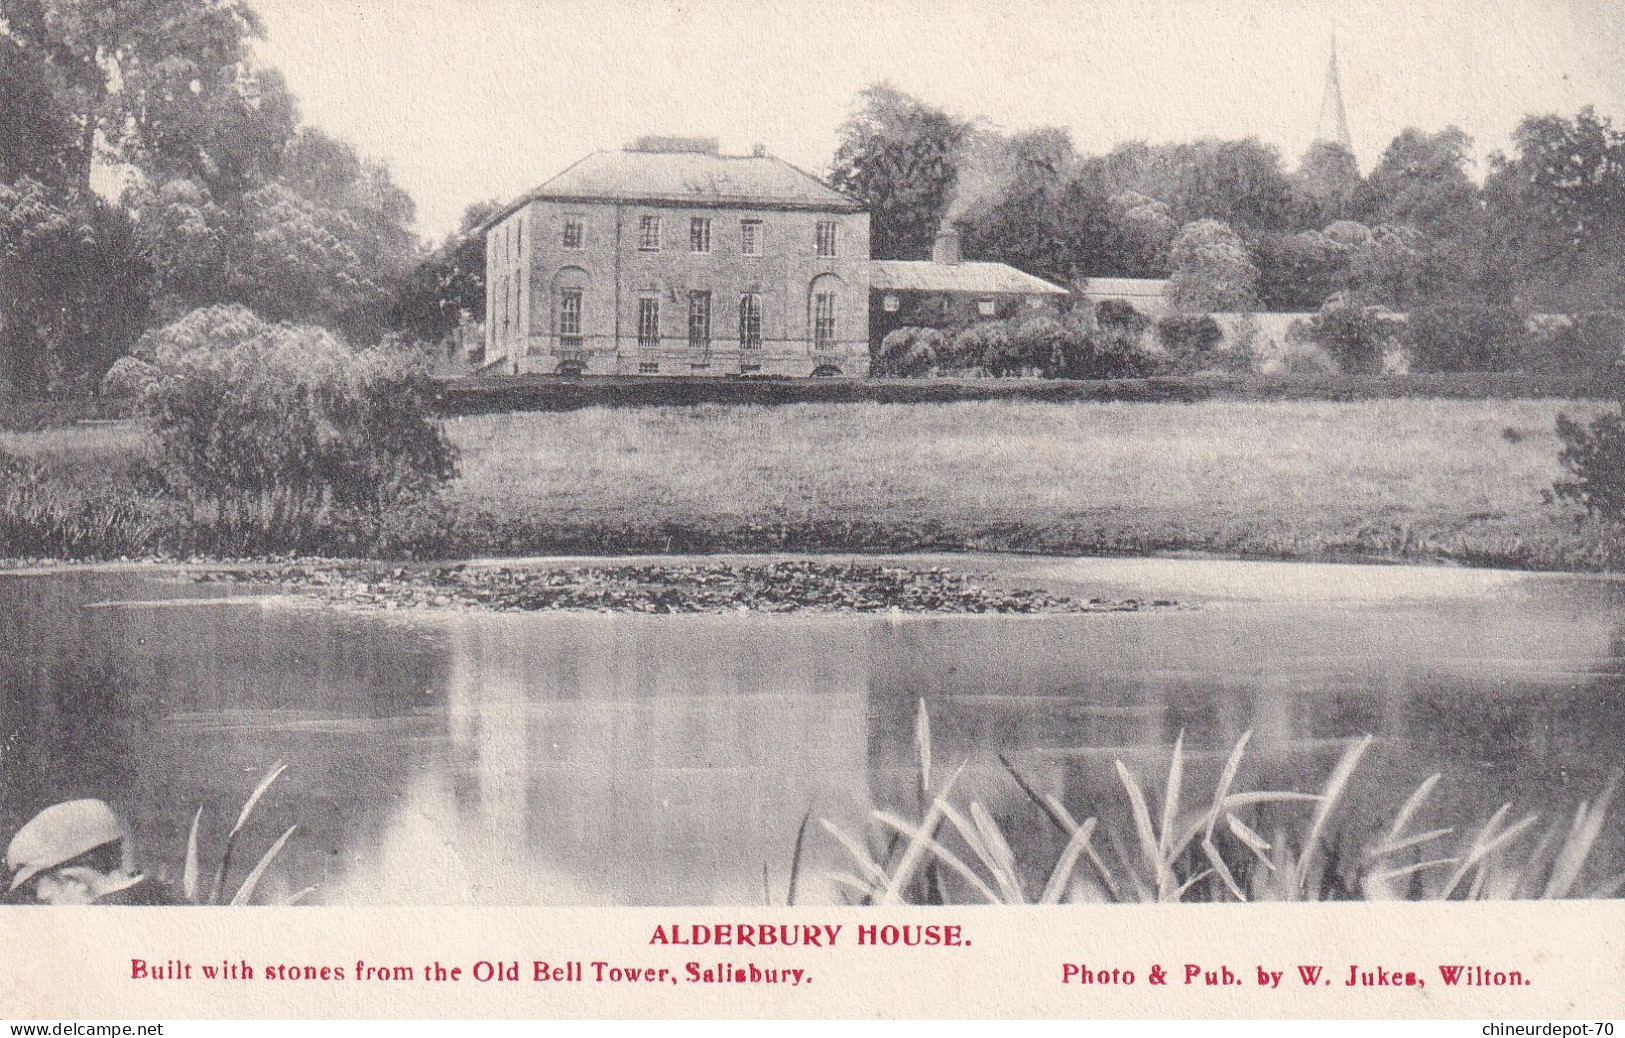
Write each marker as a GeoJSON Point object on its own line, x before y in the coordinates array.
{"type": "Point", "coordinates": [899, 155]}
{"type": "Point", "coordinates": [166, 85]}
{"type": "Point", "coordinates": [1013, 204]}
{"type": "Point", "coordinates": [449, 282]}
{"type": "Point", "coordinates": [36, 134]}
{"type": "Point", "coordinates": [1556, 213]}
{"type": "Point", "coordinates": [1594, 453]}
{"type": "Point", "coordinates": [1212, 270]}
{"type": "Point", "coordinates": [1422, 180]}
{"type": "Point", "coordinates": [1301, 271]}
{"type": "Point", "coordinates": [1329, 182]}
{"type": "Point", "coordinates": [73, 285]}
{"type": "Point", "coordinates": [250, 415]}
{"type": "Point", "coordinates": [1465, 336]}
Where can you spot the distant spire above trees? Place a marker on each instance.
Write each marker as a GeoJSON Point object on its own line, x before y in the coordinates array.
{"type": "Point", "coordinates": [1333, 127]}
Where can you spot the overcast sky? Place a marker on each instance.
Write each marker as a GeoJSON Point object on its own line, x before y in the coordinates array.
{"type": "Point", "coordinates": [474, 99]}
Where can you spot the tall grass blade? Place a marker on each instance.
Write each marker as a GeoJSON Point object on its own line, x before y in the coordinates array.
{"type": "Point", "coordinates": [1582, 837]}
{"type": "Point", "coordinates": [1064, 866]}
{"type": "Point", "coordinates": [1143, 830]}
{"type": "Point", "coordinates": [189, 870]}
{"type": "Point", "coordinates": [860, 853]}
{"type": "Point", "coordinates": [242, 820]}
{"type": "Point", "coordinates": [922, 746]}
{"type": "Point", "coordinates": [1329, 798]}
{"type": "Point", "coordinates": [1413, 803]}
{"type": "Point", "coordinates": [1057, 814]}
{"type": "Point", "coordinates": [252, 882]}
{"type": "Point", "coordinates": [914, 853]}
{"type": "Point", "coordinates": [1170, 796]}
{"type": "Point", "coordinates": [921, 842]}
{"type": "Point", "coordinates": [999, 848]}
{"type": "Point", "coordinates": [795, 858]}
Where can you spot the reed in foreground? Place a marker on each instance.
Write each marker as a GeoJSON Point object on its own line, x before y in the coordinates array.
{"type": "Point", "coordinates": [1214, 847]}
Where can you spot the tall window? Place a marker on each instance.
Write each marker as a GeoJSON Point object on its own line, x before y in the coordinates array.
{"type": "Point", "coordinates": [826, 237]}
{"type": "Point", "coordinates": [570, 318]}
{"type": "Point", "coordinates": [824, 320]}
{"type": "Point", "coordinates": [648, 323]}
{"type": "Point", "coordinates": [699, 320]}
{"type": "Point", "coordinates": [750, 237]}
{"type": "Point", "coordinates": [750, 321]}
{"type": "Point", "coordinates": [519, 237]}
{"type": "Point", "coordinates": [572, 232]}
{"type": "Point", "coordinates": [699, 234]}
{"type": "Point", "coordinates": [649, 233]}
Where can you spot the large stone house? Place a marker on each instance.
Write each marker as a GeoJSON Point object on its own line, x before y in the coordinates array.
{"type": "Point", "coordinates": [668, 258]}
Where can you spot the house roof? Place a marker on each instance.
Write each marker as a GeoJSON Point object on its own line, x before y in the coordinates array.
{"type": "Point", "coordinates": [968, 277]}
{"type": "Point", "coordinates": [1126, 287]}
{"type": "Point", "coordinates": [686, 177]}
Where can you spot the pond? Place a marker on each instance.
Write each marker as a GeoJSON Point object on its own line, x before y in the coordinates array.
{"type": "Point", "coordinates": [596, 759]}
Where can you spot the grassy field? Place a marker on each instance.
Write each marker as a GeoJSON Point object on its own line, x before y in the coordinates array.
{"type": "Point", "coordinates": [1462, 479]}
{"type": "Point", "coordinates": [1389, 478]}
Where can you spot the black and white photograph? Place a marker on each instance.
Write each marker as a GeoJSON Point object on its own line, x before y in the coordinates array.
{"type": "Point", "coordinates": [771, 455]}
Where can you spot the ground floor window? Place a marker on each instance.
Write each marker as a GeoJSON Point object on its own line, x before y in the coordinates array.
{"type": "Point", "coordinates": [750, 321]}
{"type": "Point", "coordinates": [987, 307]}
{"type": "Point", "coordinates": [648, 323]}
{"type": "Point", "coordinates": [649, 367]}
{"type": "Point", "coordinates": [570, 318]}
{"type": "Point", "coordinates": [699, 320]}
{"type": "Point", "coordinates": [824, 320]}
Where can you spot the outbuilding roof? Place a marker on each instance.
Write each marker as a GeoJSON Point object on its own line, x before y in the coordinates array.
{"type": "Point", "coordinates": [969, 277]}
{"type": "Point", "coordinates": [687, 177]}
{"type": "Point", "coordinates": [1126, 287]}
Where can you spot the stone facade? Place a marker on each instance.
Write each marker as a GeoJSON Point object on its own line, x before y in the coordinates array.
{"type": "Point", "coordinates": [722, 285]}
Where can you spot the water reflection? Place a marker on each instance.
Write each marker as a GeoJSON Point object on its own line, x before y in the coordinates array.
{"type": "Point", "coordinates": [586, 759]}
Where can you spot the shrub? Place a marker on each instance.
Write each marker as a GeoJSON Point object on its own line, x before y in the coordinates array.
{"type": "Point", "coordinates": [1191, 341]}
{"type": "Point", "coordinates": [1595, 454]}
{"type": "Point", "coordinates": [1355, 337]}
{"type": "Point", "coordinates": [287, 424]}
{"type": "Point", "coordinates": [1040, 343]}
{"type": "Point", "coordinates": [1465, 337]}
{"type": "Point", "coordinates": [909, 352]}
{"type": "Point", "coordinates": [1108, 353]}
{"type": "Point", "coordinates": [985, 345]}
{"type": "Point", "coordinates": [1120, 315]}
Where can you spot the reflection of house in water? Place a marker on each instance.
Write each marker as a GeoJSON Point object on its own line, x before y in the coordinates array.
{"type": "Point", "coordinates": [642, 760]}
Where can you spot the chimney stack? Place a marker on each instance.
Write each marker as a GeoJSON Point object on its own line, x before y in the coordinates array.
{"type": "Point", "coordinates": [946, 248]}
{"type": "Point", "coordinates": [759, 151]}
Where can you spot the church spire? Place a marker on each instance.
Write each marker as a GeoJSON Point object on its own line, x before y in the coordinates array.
{"type": "Point", "coordinates": [1333, 127]}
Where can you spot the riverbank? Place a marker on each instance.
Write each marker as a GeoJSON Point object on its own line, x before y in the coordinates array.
{"type": "Point", "coordinates": [1404, 480]}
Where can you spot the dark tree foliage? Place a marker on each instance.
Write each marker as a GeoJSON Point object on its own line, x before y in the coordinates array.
{"type": "Point", "coordinates": [1594, 454]}
{"type": "Point", "coordinates": [1190, 340]}
{"type": "Point", "coordinates": [247, 412]}
{"type": "Point", "coordinates": [1465, 337]}
{"type": "Point", "coordinates": [899, 155]}
{"type": "Point", "coordinates": [448, 283]}
{"type": "Point", "coordinates": [1556, 213]}
{"type": "Point", "coordinates": [1355, 337]}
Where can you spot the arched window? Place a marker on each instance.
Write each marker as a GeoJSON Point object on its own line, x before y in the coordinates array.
{"type": "Point", "coordinates": [823, 311]}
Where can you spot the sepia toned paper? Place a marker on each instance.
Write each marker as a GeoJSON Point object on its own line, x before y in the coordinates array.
{"type": "Point", "coordinates": [507, 840]}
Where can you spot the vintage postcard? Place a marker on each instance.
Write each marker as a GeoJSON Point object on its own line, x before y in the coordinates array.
{"type": "Point", "coordinates": [812, 509]}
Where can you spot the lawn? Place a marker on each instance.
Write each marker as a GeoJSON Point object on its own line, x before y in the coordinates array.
{"type": "Point", "coordinates": [1452, 477]}
{"type": "Point", "coordinates": [1387, 478]}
